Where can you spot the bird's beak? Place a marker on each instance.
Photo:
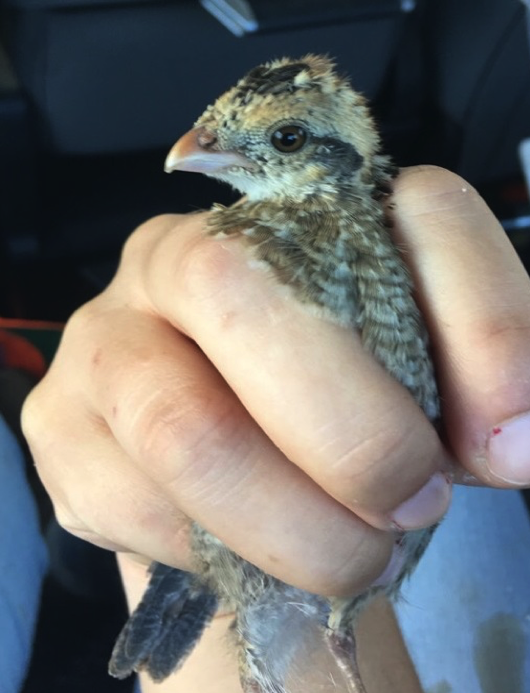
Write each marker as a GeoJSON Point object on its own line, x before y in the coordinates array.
{"type": "Point", "coordinates": [197, 151]}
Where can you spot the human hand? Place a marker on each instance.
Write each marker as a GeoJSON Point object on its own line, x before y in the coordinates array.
{"type": "Point", "coordinates": [194, 387]}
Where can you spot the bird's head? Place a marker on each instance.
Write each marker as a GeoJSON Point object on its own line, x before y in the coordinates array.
{"type": "Point", "coordinates": [289, 128]}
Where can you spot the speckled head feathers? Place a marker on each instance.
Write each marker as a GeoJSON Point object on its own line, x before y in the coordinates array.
{"type": "Point", "coordinates": [277, 76]}
{"type": "Point", "coordinates": [306, 94]}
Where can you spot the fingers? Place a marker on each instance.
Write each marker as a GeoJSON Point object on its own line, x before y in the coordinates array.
{"type": "Point", "coordinates": [309, 384]}
{"type": "Point", "coordinates": [186, 442]}
{"type": "Point", "coordinates": [197, 387]}
{"type": "Point", "coordinates": [476, 296]}
{"type": "Point", "coordinates": [201, 446]}
{"type": "Point", "coordinates": [98, 494]}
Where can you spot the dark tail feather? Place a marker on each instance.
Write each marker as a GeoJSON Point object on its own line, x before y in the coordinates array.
{"type": "Point", "coordinates": [165, 626]}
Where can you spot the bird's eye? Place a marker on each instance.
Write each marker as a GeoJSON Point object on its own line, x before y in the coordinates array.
{"type": "Point", "coordinates": [289, 138]}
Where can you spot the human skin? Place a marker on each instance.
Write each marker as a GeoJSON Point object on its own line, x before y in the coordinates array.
{"type": "Point", "coordinates": [195, 387]}
{"type": "Point", "coordinates": [212, 666]}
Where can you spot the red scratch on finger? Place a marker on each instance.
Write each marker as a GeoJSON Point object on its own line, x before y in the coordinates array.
{"type": "Point", "coordinates": [496, 430]}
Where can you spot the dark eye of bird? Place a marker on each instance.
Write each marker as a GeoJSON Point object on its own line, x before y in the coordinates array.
{"type": "Point", "coordinates": [289, 138]}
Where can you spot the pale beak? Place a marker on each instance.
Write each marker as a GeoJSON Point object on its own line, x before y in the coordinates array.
{"type": "Point", "coordinates": [196, 151]}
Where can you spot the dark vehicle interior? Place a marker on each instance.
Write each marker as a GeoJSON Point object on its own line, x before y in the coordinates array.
{"type": "Point", "coordinates": [94, 92]}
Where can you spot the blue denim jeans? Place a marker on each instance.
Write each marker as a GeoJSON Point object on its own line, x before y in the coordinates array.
{"type": "Point", "coordinates": [23, 563]}
{"type": "Point", "coordinates": [465, 614]}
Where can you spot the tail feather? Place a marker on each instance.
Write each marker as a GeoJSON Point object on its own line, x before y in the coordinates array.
{"type": "Point", "coordinates": [165, 626]}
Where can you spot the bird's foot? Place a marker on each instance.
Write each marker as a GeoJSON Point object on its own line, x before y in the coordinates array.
{"type": "Point", "coordinates": [344, 650]}
{"type": "Point", "coordinates": [165, 626]}
{"type": "Point", "coordinates": [251, 685]}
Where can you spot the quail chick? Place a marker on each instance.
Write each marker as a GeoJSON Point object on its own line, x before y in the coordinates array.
{"type": "Point", "coordinates": [300, 144]}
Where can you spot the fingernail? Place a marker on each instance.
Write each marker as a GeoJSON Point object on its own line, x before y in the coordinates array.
{"type": "Point", "coordinates": [427, 506]}
{"type": "Point", "coordinates": [509, 450]}
{"type": "Point", "coordinates": [393, 568]}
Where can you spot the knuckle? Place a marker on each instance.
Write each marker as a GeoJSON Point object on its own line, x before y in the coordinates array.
{"type": "Point", "coordinates": [370, 456]}
{"type": "Point", "coordinates": [37, 416]}
{"type": "Point", "coordinates": [29, 417]}
{"type": "Point", "coordinates": [356, 571]}
{"type": "Point", "coordinates": [387, 465]}
{"type": "Point", "coordinates": [74, 526]}
{"type": "Point", "coordinates": [182, 440]}
{"type": "Point", "coordinates": [135, 245]}
{"type": "Point", "coordinates": [495, 363]}
{"type": "Point", "coordinates": [78, 332]}
{"type": "Point", "coordinates": [511, 326]}
{"type": "Point", "coordinates": [145, 235]}
{"type": "Point", "coordinates": [497, 346]}
{"type": "Point", "coordinates": [203, 270]}
{"type": "Point", "coordinates": [44, 410]}
{"type": "Point", "coordinates": [80, 320]}
{"type": "Point", "coordinates": [174, 251]}
{"type": "Point", "coordinates": [68, 520]}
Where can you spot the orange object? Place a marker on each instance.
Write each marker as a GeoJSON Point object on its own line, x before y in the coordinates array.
{"type": "Point", "coordinates": [21, 348]}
